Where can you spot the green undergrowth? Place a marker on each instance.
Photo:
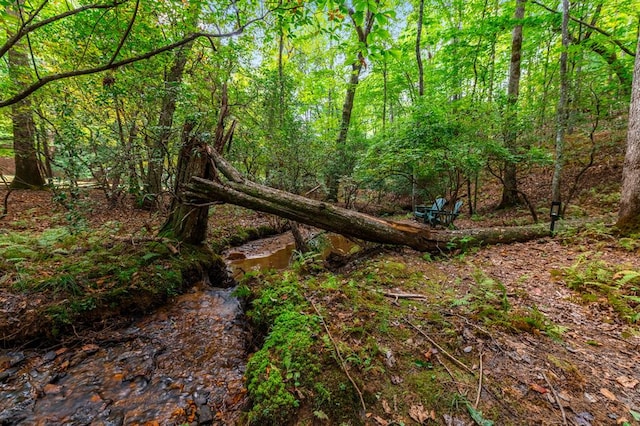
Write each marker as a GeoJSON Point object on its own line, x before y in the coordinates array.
{"type": "Point", "coordinates": [285, 366]}
{"type": "Point", "coordinates": [300, 369]}
{"type": "Point", "coordinates": [601, 283]}
{"type": "Point", "coordinates": [318, 326]}
{"type": "Point", "coordinates": [488, 302]}
{"type": "Point", "coordinates": [87, 277]}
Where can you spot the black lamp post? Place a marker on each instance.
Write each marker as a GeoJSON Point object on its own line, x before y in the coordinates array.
{"type": "Point", "coordinates": [555, 213]}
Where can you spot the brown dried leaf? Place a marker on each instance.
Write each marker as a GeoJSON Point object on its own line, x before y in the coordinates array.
{"type": "Point", "coordinates": [606, 392]}
{"type": "Point", "coordinates": [420, 415]}
{"type": "Point", "coordinates": [50, 388]}
{"type": "Point", "coordinates": [380, 421]}
{"type": "Point", "coordinates": [538, 388]}
{"type": "Point", "coordinates": [386, 407]}
{"type": "Point", "coordinates": [627, 382]}
{"type": "Point", "coordinates": [91, 348]}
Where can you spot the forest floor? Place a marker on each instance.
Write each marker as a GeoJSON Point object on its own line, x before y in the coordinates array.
{"type": "Point", "coordinates": [541, 333]}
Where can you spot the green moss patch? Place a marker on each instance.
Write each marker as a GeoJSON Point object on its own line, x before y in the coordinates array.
{"type": "Point", "coordinates": [85, 279]}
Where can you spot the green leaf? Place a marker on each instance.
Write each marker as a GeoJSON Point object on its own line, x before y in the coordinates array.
{"type": "Point", "coordinates": [635, 415]}
{"type": "Point", "coordinates": [381, 19]}
{"type": "Point", "coordinates": [373, 6]}
{"type": "Point", "coordinates": [627, 276]}
{"type": "Point", "coordinates": [358, 18]}
{"type": "Point", "coordinates": [477, 416]}
{"type": "Point", "coordinates": [321, 415]}
{"type": "Point", "coordinates": [396, 53]}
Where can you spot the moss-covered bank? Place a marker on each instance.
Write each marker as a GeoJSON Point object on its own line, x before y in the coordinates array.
{"type": "Point", "coordinates": [55, 283]}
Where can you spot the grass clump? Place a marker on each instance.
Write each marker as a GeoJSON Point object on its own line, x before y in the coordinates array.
{"type": "Point", "coordinates": [488, 302]}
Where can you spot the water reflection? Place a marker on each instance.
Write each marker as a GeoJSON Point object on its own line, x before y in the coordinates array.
{"type": "Point", "coordinates": [182, 364]}
{"type": "Point", "coordinates": [276, 252]}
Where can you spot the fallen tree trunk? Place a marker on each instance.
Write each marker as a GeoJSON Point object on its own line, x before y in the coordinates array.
{"type": "Point", "coordinates": [242, 192]}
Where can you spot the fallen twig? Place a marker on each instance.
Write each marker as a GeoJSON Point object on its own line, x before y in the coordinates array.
{"type": "Point", "coordinates": [557, 398]}
{"type": "Point", "coordinates": [479, 384]}
{"type": "Point", "coordinates": [342, 362]}
{"type": "Point", "coordinates": [450, 373]}
{"type": "Point", "coordinates": [405, 296]}
{"type": "Point", "coordinates": [451, 357]}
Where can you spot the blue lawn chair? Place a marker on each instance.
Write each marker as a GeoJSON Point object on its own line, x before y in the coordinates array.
{"type": "Point", "coordinates": [446, 218]}
{"type": "Point", "coordinates": [430, 215]}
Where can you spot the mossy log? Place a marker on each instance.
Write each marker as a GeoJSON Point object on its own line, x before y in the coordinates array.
{"type": "Point", "coordinates": [240, 191]}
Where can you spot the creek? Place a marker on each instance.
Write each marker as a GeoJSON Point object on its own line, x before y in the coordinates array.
{"type": "Point", "coordinates": [184, 363]}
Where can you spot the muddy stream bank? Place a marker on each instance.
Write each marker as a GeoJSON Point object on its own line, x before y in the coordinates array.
{"type": "Point", "coordinates": [182, 364]}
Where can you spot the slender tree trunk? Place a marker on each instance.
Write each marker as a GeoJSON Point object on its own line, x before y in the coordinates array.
{"type": "Point", "coordinates": [418, 49]}
{"type": "Point", "coordinates": [339, 166]}
{"type": "Point", "coordinates": [475, 58]}
{"type": "Point", "coordinates": [562, 114]}
{"type": "Point", "coordinates": [46, 151]}
{"type": "Point", "coordinates": [510, 177]}
{"type": "Point", "coordinates": [160, 145]}
{"type": "Point", "coordinates": [131, 159]}
{"type": "Point", "coordinates": [385, 96]}
{"type": "Point", "coordinates": [629, 214]}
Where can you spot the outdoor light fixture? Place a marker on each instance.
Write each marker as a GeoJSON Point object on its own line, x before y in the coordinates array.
{"type": "Point", "coordinates": [555, 213]}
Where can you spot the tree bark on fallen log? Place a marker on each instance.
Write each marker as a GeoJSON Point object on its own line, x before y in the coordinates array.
{"type": "Point", "coordinates": [242, 192]}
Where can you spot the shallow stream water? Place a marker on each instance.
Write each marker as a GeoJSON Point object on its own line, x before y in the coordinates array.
{"type": "Point", "coordinates": [182, 364]}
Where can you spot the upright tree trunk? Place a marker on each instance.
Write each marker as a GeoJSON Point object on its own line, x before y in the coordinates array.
{"type": "Point", "coordinates": [562, 114]}
{"type": "Point", "coordinates": [339, 165]}
{"type": "Point", "coordinates": [165, 124]}
{"type": "Point", "coordinates": [418, 49]}
{"type": "Point", "coordinates": [188, 223]}
{"type": "Point", "coordinates": [510, 177]}
{"type": "Point", "coordinates": [629, 215]}
{"type": "Point", "coordinates": [29, 174]}
{"type": "Point", "coordinates": [385, 94]}
{"type": "Point", "coordinates": [28, 171]}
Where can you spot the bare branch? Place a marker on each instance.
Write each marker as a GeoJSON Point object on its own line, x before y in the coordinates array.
{"type": "Point", "coordinates": [35, 13]}
{"type": "Point", "coordinates": [33, 58]}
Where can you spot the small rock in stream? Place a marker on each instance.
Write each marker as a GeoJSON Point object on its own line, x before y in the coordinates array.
{"type": "Point", "coordinates": [205, 415]}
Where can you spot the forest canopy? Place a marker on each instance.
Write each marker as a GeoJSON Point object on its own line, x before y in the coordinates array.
{"type": "Point", "coordinates": [415, 98]}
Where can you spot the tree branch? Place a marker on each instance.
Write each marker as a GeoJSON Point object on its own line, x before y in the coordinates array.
{"type": "Point", "coordinates": [112, 65]}
{"type": "Point", "coordinates": [126, 33]}
{"type": "Point", "coordinates": [618, 43]}
{"type": "Point", "coordinates": [33, 58]}
{"type": "Point", "coordinates": [26, 28]}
